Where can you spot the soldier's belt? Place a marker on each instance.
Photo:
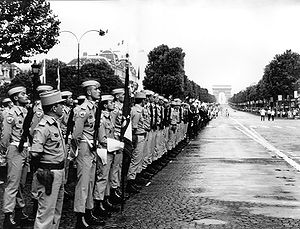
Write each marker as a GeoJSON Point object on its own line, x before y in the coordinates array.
{"type": "Point", "coordinates": [52, 166]}
{"type": "Point", "coordinates": [142, 134]}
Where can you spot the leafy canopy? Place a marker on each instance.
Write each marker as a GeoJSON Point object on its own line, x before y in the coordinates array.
{"type": "Point", "coordinates": [27, 28]}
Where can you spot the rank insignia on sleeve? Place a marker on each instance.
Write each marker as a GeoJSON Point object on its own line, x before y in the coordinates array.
{"type": "Point", "coordinates": [82, 114]}
{"type": "Point", "coordinates": [39, 114]}
{"type": "Point", "coordinates": [9, 119]}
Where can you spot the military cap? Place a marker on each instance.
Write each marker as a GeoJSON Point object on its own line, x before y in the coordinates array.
{"type": "Point", "coordinates": [16, 89]}
{"type": "Point", "coordinates": [107, 98]}
{"type": "Point", "coordinates": [66, 93]}
{"type": "Point", "coordinates": [6, 100]}
{"type": "Point", "coordinates": [51, 97]}
{"type": "Point", "coordinates": [156, 95]}
{"type": "Point", "coordinates": [173, 103]}
{"type": "Point", "coordinates": [140, 95]}
{"type": "Point", "coordinates": [81, 97]}
{"type": "Point", "coordinates": [90, 83]}
{"type": "Point", "coordinates": [165, 100]}
{"type": "Point", "coordinates": [118, 91]}
{"type": "Point", "coordinates": [177, 100]}
{"type": "Point", "coordinates": [148, 92]}
{"type": "Point", "coordinates": [161, 97]}
{"type": "Point", "coordinates": [44, 87]}
{"type": "Point", "coordinates": [75, 101]}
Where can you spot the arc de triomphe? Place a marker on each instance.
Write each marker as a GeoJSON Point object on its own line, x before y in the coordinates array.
{"type": "Point", "coordinates": [222, 93]}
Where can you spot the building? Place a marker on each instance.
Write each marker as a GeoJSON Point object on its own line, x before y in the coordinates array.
{"type": "Point", "coordinates": [113, 60]}
{"type": "Point", "coordinates": [8, 72]}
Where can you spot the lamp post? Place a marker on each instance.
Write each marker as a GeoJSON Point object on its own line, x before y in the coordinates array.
{"type": "Point", "coordinates": [100, 32]}
{"type": "Point", "coordinates": [35, 80]}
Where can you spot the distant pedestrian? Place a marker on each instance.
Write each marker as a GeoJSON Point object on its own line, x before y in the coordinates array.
{"type": "Point", "coordinates": [272, 114]}
{"type": "Point", "coordinates": [262, 114]}
{"type": "Point", "coordinates": [269, 114]}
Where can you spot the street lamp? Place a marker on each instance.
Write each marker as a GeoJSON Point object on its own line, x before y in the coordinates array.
{"type": "Point", "coordinates": [100, 32]}
{"type": "Point", "coordinates": [35, 80]}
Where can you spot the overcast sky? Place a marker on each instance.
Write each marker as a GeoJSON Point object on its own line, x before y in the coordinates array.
{"type": "Point", "coordinates": [225, 41]}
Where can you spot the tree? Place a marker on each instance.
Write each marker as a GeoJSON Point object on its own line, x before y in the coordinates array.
{"type": "Point", "coordinates": [27, 28]}
{"type": "Point", "coordinates": [165, 71]}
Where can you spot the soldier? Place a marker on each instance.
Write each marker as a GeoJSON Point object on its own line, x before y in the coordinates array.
{"type": "Point", "coordinates": [38, 114]}
{"type": "Point", "coordinates": [68, 112]}
{"type": "Point", "coordinates": [138, 140]}
{"type": "Point", "coordinates": [48, 155]}
{"type": "Point", "coordinates": [104, 168]}
{"type": "Point", "coordinates": [82, 139]}
{"type": "Point", "coordinates": [117, 120]}
{"type": "Point", "coordinates": [17, 162]}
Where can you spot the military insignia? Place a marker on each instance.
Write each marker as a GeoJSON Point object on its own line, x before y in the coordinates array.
{"type": "Point", "coordinates": [9, 119]}
{"type": "Point", "coordinates": [82, 114]}
{"type": "Point", "coordinates": [20, 121]}
{"type": "Point", "coordinates": [91, 116]}
{"type": "Point", "coordinates": [56, 135]}
{"type": "Point", "coordinates": [39, 114]}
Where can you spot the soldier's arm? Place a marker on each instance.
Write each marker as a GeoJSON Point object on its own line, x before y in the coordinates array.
{"type": "Point", "coordinates": [80, 119]}
{"type": "Point", "coordinates": [135, 120]}
{"type": "Point", "coordinates": [102, 135]}
{"type": "Point", "coordinates": [8, 123]}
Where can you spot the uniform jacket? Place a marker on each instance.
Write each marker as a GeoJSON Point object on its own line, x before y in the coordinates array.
{"type": "Point", "coordinates": [48, 141]}
{"type": "Point", "coordinates": [12, 126]}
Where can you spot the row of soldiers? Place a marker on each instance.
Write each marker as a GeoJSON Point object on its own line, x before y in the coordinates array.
{"type": "Point", "coordinates": [47, 136]}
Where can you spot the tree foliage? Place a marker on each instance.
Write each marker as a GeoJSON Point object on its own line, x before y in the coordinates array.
{"type": "Point", "coordinates": [281, 77]}
{"type": "Point", "coordinates": [27, 28]}
{"type": "Point", "coordinates": [165, 75]}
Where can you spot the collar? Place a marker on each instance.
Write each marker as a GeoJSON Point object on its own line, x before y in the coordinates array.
{"type": "Point", "coordinates": [49, 119]}
{"type": "Point", "coordinates": [106, 114]}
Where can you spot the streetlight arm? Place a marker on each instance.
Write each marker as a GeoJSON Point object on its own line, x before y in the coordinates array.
{"type": "Point", "coordinates": [92, 30]}
{"type": "Point", "coordinates": [67, 31]}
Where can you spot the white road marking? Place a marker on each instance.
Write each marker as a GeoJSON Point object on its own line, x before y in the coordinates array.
{"type": "Point", "coordinates": [291, 127]}
{"type": "Point", "coordinates": [279, 127]}
{"type": "Point", "coordinates": [258, 138]}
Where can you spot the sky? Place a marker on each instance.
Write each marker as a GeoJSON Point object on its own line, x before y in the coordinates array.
{"type": "Point", "coordinates": [224, 41]}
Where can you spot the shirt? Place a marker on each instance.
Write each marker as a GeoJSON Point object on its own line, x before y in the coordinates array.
{"type": "Point", "coordinates": [48, 141]}
{"type": "Point", "coordinates": [137, 119]}
{"type": "Point", "coordinates": [84, 121]}
{"type": "Point", "coordinates": [13, 125]}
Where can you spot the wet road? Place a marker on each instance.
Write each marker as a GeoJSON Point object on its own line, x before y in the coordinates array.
{"type": "Point", "coordinates": [232, 176]}
{"type": "Point", "coordinates": [238, 173]}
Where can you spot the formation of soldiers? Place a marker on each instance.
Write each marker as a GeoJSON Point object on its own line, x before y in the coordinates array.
{"type": "Point", "coordinates": [53, 136]}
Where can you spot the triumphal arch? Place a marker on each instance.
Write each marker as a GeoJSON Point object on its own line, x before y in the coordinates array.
{"type": "Point", "coordinates": [222, 93]}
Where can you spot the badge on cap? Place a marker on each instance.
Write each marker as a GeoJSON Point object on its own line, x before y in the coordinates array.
{"type": "Point", "coordinates": [82, 114]}
{"type": "Point", "coordinates": [9, 119]}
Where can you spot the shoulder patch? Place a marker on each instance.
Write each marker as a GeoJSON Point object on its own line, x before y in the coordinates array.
{"type": "Point", "coordinates": [82, 114]}
{"type": "Point", "coordinates": [9, 119]}
{"type": "Point", "coordinates": [42, 122]}
{"type": "Point", "coordinates": [39, 114]}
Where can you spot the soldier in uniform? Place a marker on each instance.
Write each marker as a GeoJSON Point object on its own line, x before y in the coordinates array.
{"type": "Point", "coordinates": [38, 114]}
{"type": "Point", "coordinates": [138, 140]}
{"type": "Point", "coordinates": [82, 139]}
{"type": "Point", "coordinates": [17, 162]}
{"type": "Point", "coordinates": [48, 155]}
{"type": "Point", "coordinates": [68, 112]}
{"type": "Point", "coordinates": [104, 168]}
{"type": "Point", "coordinates": [117, 120]}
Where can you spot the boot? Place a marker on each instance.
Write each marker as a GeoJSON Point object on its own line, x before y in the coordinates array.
{"type": "Point", "coordinates": [81, 222]}
{"type": "Point", "coordinates": [130, 187]}
{"type": "Point", "coordinates": [21, 218]}
{"type": "Point", "coordinates": [100, 211]}
{"type": "Point", "coordinates": [92, 220]}
{"type": "Point", "coordinates": [9, 222]}
{"type": "Point", "coordinates": [115, 197]}
{"type": "Point", "coordinates": [32, 215]}
{"type": "Point", "coordinates": [109, 206]}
